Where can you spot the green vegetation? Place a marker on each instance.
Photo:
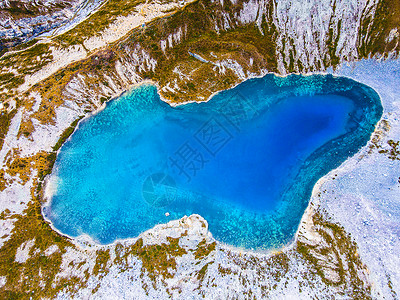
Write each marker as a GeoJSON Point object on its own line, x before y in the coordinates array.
{"type": "Point", "coordinates": [103, 256]}
{"type": "Point", "coordinates": [279, 265]}
{"type": "Point", "coordinates": [394, 151]}
{"type": "Point", "coordinates": [5, 119]}
{"type": "Point", "coordinates": [390, 286]}
{"type": "Point", "coordinates": [98, 21]}
{"type": "Point", "coordinates": [332, 42]}
{"type": "Point", "coordinates": [21, 9]}
{"type": "Point", "coordinates": [25, 46]}
{"type": "Point", "coordinates": [157, 260]}
{"type": "Point", "coordinates": [239, 44]}
{"type": "Point", "coordinates": [37, 275]}
{"type": "Point", "coordinates": [375, 29]}
{"type": "Point", "coordinates": [21, 63]}
{"type": "Point", "coordinates": [224, 271]}
{"type": "Point", "coordinates": [340, 247]}
{"type": "Point", "coordinates": [203, 271]}
{"type": "Point", "coordinates": [66, 134]}
{"type": "Point", "coordinates": [204, 249]}
{"type": "Point", "coordinates": [30, 60]}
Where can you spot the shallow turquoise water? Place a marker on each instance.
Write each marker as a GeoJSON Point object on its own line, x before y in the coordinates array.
{"type": "Point", "coordinates": [247, 160]}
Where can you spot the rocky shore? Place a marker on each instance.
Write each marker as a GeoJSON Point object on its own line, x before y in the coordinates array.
{"type": "Point", "coordinates": [346, 244]}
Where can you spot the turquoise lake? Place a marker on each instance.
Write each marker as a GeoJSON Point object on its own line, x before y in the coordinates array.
{"type": "Point", "coordinates": [247, 160]}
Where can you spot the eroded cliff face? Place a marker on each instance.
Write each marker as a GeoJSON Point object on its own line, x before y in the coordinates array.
{"type": "Point", "coordinates": [206, 47]}
{"type": "Point", "coordinates": [190, 50]}
{"type": "Point", "coordinates": [21, 21]}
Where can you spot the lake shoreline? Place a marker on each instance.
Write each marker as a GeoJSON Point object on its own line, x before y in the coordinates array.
{"type": "Point", "coordinates": [48, 196]}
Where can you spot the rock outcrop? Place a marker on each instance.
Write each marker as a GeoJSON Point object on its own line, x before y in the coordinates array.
{"type": "Point", "coordinates": [190, 50]}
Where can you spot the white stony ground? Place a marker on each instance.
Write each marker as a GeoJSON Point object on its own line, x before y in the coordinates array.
{"type": "Point", "coordinates": [303, 28]}
{"type": "Point", "coordinates": [364, 198]}
{"type": "Point", "coordinates": [49, 21]}
{"type": "Point", "coordinates": [116, 30]}
{"type": "Point", "coordinates": [85, 9]}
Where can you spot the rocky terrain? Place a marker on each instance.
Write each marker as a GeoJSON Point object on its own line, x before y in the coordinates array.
{"type": "Point", "coordinates": [190, 51]}
{"type": "Point", "coordinates": [21, 21]}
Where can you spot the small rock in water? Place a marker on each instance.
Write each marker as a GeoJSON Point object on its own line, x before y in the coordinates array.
{"type": "Point", "coordinates": [167, 214]}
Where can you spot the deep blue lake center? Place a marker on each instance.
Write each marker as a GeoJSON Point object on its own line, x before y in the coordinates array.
{"type": "Point", "coordinates": [246, 160]}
